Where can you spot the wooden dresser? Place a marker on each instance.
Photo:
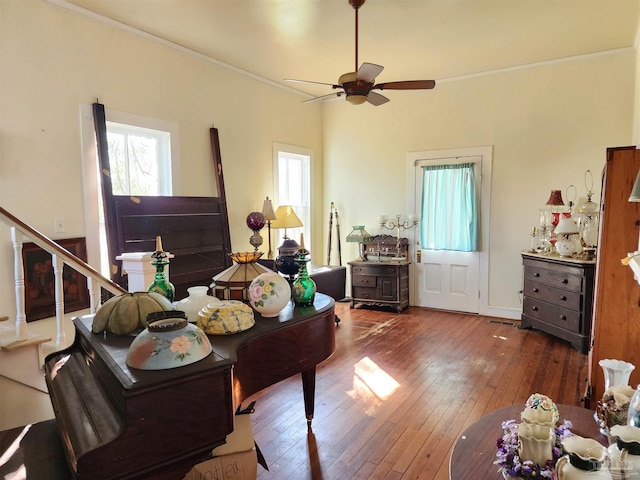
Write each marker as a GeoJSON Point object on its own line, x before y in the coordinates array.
{"type": "Point", "coordinates": [558, 297]}
{"type": "Point", "coordinates": [384, 284]}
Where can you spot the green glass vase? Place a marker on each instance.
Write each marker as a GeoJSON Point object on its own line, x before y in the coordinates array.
{"type": "Point", "coordinates": [303, 288]}
{"type": "Point", "coordinates": [161, 283]}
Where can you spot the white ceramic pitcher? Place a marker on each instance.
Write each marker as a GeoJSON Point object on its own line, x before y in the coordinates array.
{"type": "Point", "coordinates": [625, 452]}
{"type": "Point", "coordinates": [586, 460]}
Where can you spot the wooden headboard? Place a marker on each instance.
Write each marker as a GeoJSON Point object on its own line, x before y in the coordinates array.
{"type": "Point", "coordinates": [193, 229]}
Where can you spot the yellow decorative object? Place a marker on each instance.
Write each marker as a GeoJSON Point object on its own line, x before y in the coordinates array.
{"type": "Point", "coordinates": [225, 317]}
{"type": "Point", "coordinates": [128, 312]}
{"type": "Point", "coordinates": [540, 410]}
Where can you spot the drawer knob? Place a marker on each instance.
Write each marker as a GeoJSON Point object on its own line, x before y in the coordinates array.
{"type": "Point", "coordinates": [565, 280]}
{"type": "Point", "coordinates": [534, 308]}
{"type": "Point", "coordinates": [536, 274]}
{"type": "Point", "coordinates": [535, 290]}
{"type": "Point", "coordinates": [563, 298]}
{"type": "Point", "coordinates": [563, 317]}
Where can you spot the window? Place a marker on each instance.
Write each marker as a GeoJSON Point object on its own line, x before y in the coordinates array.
{"type": "Point", "coordinates": [449, 217]}
{"type": "Point", "coordinates": [292, 175]}
{"type": "Point", "coordinates": [140, 160]}
{"type": "Point", "coordinates": [149, 165]}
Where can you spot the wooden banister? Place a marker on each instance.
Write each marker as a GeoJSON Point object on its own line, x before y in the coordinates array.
{"type": "Point", "coordinates": [60, 256]}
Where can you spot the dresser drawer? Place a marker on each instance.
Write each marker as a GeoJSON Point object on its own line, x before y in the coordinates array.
{"type": "Point", "coordinates": [564, 318]}
{"type": "Point", "coordinates": [363, 281]}
{"type": "Point", "coordinates": [364, 293]}
{"type": "Point", "coordinates": [379, 269]}
{"type": "Point", "coordinates": [553, 295]}
{"type": "Point", "coordinates": [553, 278]}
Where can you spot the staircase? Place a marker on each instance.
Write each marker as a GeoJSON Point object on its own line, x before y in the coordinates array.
{"type": "Point", "coordinates": [21, 351]}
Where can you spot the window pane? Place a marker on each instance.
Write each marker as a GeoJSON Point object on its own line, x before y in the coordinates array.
{"type": "Point", "coordinates": [143, 165]}
{"type": "Point", "coordinates": [140, 160]}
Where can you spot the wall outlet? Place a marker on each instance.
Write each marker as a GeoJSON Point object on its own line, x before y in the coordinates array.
{"type": "Point", "coordinates": [58, 225]}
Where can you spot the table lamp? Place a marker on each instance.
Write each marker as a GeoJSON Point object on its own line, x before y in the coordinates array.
{"type": "Point", "coordinates": [269, 216]}
{"type": "Point", "coordinates": [285, 261]}
{"type": "Point", "coordinates": [360, 235]}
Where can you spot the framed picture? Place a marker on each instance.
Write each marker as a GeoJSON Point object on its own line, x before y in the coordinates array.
{"type": "Point", "coordinates": [39, 281]}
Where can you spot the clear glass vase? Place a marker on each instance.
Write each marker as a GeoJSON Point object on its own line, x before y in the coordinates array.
{"type": "Point", "coordinates": [633, 417]}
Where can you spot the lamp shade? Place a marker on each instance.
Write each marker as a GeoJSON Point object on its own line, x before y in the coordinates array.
{"type": "Point", "coordinates": [267, 210]}
{"type": "Point", "coordinates": [566, 226]}
{"type": "Point", "coordinates": [359, 234]}
{"type": "Point", "coordinates": [635, 193]}
{"type": "Point", "coordinates": [555, 198]}
{"type": "Point", "coordinates": [286, 218]}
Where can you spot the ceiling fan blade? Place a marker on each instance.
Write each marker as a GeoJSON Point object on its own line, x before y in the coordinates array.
{"type": "Point", "coordinates": [376, 99]}
{"type": "Point", "coordinates": [368, 72]}
{"type": "Point", "coordinates": [310, 81]}
{"type": "Point", "coordinates": [406, 85]}
{"type": "Point", "coordinates": [324, 97]}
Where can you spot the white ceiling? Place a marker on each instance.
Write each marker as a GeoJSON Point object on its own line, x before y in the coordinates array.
{"type": "Point", "coordinates": [412, 39]}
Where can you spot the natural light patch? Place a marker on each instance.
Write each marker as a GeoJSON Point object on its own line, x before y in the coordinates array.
{"type": "Point", "coordinates": [500, 337]}
{"type": "Point", "coordinates": [371, 384]}
{"type": "Point", "coordinates": [20, 473]}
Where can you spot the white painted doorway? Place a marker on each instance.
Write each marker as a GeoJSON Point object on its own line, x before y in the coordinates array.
{"type": "Point", "coordinates": [447, 279]}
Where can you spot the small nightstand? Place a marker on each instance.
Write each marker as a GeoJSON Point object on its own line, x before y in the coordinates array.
{"type": "Point", "coordinates": [380, 284]}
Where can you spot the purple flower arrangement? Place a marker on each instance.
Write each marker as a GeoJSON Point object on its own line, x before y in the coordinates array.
{"type": "Point", "coordinates": [508, 459]}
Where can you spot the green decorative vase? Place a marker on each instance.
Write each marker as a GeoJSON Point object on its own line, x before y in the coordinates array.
{"type": "Point", "coordinates": [161, 284]}
{"type": "Point", "coordinates": [303, 289]}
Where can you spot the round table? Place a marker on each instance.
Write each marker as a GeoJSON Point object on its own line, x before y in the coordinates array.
{"type": "Point", "coordinates": [475, 450]}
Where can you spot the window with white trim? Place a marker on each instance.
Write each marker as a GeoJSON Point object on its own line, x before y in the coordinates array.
{"type": "Point", "coordinates": [292, 174]}
{"type": "Point", "coordinates": [139, 160]}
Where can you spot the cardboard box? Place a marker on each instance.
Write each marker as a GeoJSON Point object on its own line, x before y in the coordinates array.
{"type": "Point", "coordinates": [235, 460]}
{"type": "Point", "coordinates": [234, 466]}
{"type": "Point", "coordinates": [240, 440]}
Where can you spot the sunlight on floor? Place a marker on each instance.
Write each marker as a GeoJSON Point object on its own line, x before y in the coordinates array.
{"type": "Point", "coordinates": [500, 337]}
{"type": "Point", "coordinates": [371, 384]}
{"type": "Point", "coordinates": [20, 473]}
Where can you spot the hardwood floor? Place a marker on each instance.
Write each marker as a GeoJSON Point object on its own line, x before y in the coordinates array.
{"type": "Point", "coordinates": [400, 388]}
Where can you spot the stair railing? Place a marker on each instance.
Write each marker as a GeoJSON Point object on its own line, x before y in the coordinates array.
{"type": "Point", "coordinates": [59, 257]}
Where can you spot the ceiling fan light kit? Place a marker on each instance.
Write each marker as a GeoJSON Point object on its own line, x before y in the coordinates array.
{"type": "Point", "coordinates": [357, 86]}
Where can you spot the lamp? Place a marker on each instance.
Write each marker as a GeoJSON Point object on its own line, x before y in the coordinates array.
{"type": "Point", "coordinates": [564, 245]}
{"type": "Point", "coordinates": [285, 261]}
{"type": "Point", "coordinates": [269, 216]}
{"type": "Point", "coordinates": [555, 201]}
{"type": "Point", "coordinates": [286, 218]}
{"type": "Point", "coordinates": [255, 222]}
{"type": "Point", "coordinates": [589, 219]}
{"type": "Point", "coordinates": [360, 235]}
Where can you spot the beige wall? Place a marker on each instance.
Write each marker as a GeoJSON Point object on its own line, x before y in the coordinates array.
{"type": "Point", "coordinates": [547, 124]}
{"type": "Point", "coordinates": [54, 60]}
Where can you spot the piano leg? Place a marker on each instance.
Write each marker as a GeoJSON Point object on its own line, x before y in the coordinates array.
{"type": "Point", "coordinates": [309, 390]}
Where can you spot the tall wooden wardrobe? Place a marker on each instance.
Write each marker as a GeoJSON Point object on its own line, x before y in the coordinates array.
{"type": "Point", "coordinates": [616, 318]}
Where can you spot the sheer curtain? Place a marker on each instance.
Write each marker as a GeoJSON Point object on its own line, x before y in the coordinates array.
{"type": "Point", "coordinates": [449, 217]}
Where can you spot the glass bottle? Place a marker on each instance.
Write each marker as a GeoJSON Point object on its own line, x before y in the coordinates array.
{"type": "Point", "coordinates": [303, 288]}
{"type": "Point", "coordinates": [633, 417]}
{"type": "Point", "coordinates": [161, 283]}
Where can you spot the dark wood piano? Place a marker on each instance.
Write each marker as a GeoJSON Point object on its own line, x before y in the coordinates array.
{"type": "Point", "coordinates": [117, 423]}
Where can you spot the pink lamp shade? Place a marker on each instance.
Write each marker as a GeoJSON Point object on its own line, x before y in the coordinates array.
{"type": "Point", "coordinates": [555, 198]}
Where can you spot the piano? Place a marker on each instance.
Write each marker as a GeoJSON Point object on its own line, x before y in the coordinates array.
{"type": "Point", "coordinates": [120, 423]}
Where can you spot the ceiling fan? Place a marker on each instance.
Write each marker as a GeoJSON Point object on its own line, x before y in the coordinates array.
{"type": "Point", "coordinates": [357, 86]}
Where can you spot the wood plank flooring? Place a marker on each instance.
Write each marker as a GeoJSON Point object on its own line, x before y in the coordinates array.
{"type": "Point", "coordinates": [401, 387]}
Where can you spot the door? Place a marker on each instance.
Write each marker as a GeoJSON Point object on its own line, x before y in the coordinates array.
{"type": "Point", "coordinates": [448, 279]}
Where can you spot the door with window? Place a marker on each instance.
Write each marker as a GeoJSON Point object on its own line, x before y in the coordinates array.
{"type": "Point", "coordinates": [450, 253]}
